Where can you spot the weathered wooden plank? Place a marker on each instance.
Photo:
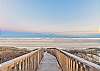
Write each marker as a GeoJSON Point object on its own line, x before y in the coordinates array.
{"type": "Point", "coordinates": [49, 63]}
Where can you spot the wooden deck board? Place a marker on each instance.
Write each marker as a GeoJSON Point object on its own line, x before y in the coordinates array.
{"type": "Point", "coordinates": [49, 63]}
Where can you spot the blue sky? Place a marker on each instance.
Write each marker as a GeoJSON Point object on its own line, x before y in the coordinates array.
{"type": "Point", "coordinates": [50, 15]}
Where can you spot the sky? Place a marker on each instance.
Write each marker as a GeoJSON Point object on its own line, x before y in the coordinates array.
{"type": "Point", "coordinates": [50, 15]}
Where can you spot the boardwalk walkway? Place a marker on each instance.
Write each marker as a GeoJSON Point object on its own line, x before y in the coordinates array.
{"type": "Point", "coordinates": [49, 63]}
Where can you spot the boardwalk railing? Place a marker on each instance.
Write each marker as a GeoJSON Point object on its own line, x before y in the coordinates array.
{"type": "Point", "coordinates": [70, 62]}
{"type": "Point", "coordinates": [27, 62]}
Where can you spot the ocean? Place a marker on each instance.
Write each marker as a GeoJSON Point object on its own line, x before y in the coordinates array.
{"type": "Point", "coordinates": [34, 40]}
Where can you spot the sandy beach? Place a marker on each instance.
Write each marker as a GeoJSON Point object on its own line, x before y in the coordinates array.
{"type": "Point", "coordinates": [32, 43]}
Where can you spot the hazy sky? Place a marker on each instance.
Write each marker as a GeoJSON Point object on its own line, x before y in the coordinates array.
{"type": "Point", "coordinates": [50, 15]}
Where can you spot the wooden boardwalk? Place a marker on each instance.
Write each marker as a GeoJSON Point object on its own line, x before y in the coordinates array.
{"type": "Point", "coordinates": [49, 63]}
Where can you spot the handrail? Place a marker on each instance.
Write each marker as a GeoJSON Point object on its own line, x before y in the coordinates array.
{"type": "Point", "coordinates": [82, 60]}
{"type": "Point", "coordinates": [27, 62]}
{"type": "Point", "coordinates": [70, 62]}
